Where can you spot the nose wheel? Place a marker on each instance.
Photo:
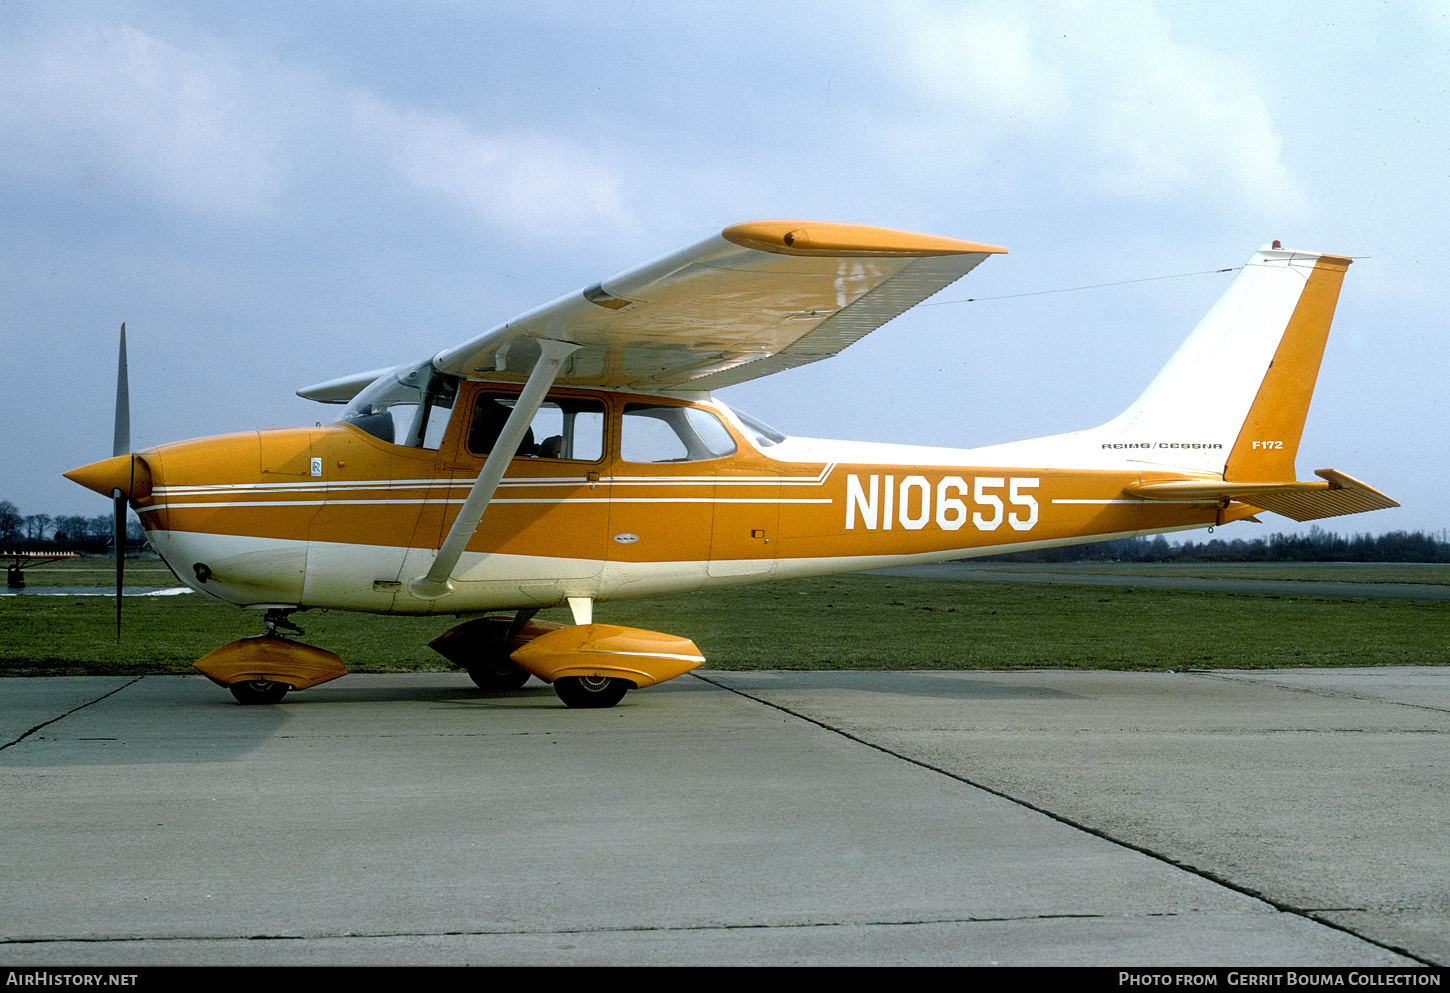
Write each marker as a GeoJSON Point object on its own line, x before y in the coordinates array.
{"type": "Point", "coordinates": [265, 691]}
{"type": "Point", "coordinates": [591, 692]}
{"type": "Point", "coordinates": [266, 667]}
{"type": "Point", "coordinates": [250, 691]}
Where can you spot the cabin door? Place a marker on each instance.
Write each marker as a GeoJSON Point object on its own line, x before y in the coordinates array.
{"type": "Point", "coordinates": [547, 522]}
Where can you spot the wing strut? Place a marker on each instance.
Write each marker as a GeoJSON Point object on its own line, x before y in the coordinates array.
{"type": "Point", "coordinates": [551, 358]}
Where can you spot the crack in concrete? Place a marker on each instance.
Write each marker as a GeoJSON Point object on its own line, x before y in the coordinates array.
{"type": "Point", "coordinates": [63, 716]}
{"type": "Point", "coordinates": [496, 932]}
{"type": "Point", "coordinates": [1080, 826]}
{"type": "Point", "coordinates": [1319, 691]}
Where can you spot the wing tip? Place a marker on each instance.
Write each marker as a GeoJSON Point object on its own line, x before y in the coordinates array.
{"type": "Point", "coordinates": [828, 238]}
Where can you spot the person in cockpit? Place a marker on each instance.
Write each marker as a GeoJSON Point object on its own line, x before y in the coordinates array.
{"type": "Point", "coordinates": [489, 417]}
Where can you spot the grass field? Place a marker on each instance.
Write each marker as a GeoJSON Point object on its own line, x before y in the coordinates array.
{"type": "Point", "coordinates": [100, 571]}
{"type": "Point", "coordinates": [840, 622]}
{"type": "Point", "coordinates": [1436, 574]}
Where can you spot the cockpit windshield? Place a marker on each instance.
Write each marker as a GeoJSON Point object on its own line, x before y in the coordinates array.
{"type": "Point", "coordinates": [409, 405]}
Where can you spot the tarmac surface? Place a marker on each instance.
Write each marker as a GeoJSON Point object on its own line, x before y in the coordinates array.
{"type": "Point", "coordinates": [1225, 818]}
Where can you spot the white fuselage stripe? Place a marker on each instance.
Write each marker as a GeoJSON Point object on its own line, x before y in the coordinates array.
{"type": "Point", "coordinates": [268, 504]}
{"type": "Point", "coordinates": [466, 482]}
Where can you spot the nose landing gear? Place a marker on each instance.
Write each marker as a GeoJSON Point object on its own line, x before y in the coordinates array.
{"type": "Point", "coordinates": [250, 691]}
{"type": "Point", "coordinates": [264, 668]}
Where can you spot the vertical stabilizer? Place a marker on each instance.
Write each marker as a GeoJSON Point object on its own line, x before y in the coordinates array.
{"type": "Point", "coordinates": [1233, 398]}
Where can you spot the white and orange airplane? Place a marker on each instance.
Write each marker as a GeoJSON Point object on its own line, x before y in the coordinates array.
{"type": "Point", "coordinates": [574, 455]}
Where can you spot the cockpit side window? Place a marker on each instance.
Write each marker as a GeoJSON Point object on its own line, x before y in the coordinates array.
{"type": "Point", "coordinates": [661, 433]}
{"type": "Point", "coordinates": [410, 405]}
{"type": "Point", "coordinates": [569, 429]}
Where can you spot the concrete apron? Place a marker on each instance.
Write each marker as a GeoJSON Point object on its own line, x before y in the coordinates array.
{"type": "Point", "coordinates": [760, 818]}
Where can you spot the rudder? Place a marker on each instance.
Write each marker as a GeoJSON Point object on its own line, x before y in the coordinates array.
{"type": "Point", "coordinates": [1269, 439]}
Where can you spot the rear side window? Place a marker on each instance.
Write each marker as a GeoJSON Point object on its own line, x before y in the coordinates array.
{"type": "Point", "coordinates": [661, 433]}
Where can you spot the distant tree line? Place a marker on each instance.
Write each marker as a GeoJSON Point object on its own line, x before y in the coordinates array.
{"type": "Point", "coordinates": [43, 533]}
{"type": "Point", "coordinates": [1316, 546]}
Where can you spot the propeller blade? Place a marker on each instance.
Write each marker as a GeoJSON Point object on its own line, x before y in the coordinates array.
{"type": "Point", "coordinates": [123, 403]}
{"type": "Point", "coordinates": [119, 499]}
{"type": "Point", "coordinates": [121, 447]}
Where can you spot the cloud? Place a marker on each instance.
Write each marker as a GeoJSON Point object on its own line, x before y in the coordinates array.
{"type": "Point", "coordinates": [96, 104]}
{"type": "Point", "coordinates": [111, 108]}
{"type": "Point", "coordinates": [526, 183]}
{"type": "Point", "coordinates": [1106, 96]}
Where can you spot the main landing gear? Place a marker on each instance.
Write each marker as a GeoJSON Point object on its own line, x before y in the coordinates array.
{"type": "Point", "coordinates": [593, 692]}
{"type": "Point", "coordinates": [498, 675]}
{"type": "Point", "coordinates": [481, 647]}
{"type": "Point", "coordinates": [486, 648]}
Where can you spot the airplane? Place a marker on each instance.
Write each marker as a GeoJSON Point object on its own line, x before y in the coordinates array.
{"type": "Point", "coordinates": [575, 455]}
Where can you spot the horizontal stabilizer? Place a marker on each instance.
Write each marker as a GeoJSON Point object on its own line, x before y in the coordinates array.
{"type": "Point", "coordinates": [1307, 500]}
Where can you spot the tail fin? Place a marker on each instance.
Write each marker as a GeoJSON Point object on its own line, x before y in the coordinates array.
{"type": "Point", "coordinates": [1240, 385]}
{"type": "Point", "coordinates": [1231, 403]}
{"type": "Point", "coordinates": [1248, 372]}
{"type": "Point", "coordinates": [1269, 439]}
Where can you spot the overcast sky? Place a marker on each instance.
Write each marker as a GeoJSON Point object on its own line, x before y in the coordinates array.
{"type": "Point", "coordinates": [278, 194]}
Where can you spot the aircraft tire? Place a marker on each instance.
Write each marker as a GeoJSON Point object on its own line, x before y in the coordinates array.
{"type": "Point", "coordinates": [499, 676]}
{"type": "Point", "coordinates": [591, 692]}
{"type": "Point", "coordinates": [255, 691]}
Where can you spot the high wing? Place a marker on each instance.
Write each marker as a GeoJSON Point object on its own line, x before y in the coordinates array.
{"type": "Point", "coordinates": [753, 300]}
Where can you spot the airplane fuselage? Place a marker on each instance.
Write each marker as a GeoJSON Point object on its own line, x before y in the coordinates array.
{"type": "Point", "coordinates": [334, 517]}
